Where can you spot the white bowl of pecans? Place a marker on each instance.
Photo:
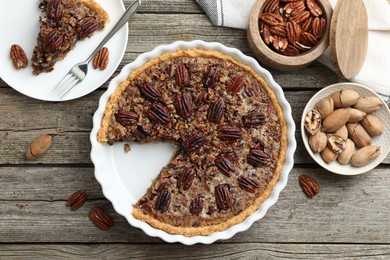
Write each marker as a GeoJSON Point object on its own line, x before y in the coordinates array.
{"type": "Point", "coordinates": [346, 128]}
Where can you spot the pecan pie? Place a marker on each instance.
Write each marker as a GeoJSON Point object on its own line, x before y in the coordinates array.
{"type": "Point", "coordinates": [230, 133]}
{"type": "Point", "coordinates": [63, 23]}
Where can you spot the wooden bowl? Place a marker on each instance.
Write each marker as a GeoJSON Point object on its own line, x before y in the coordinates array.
{"type": "Point", "coordinates": [281, 62]}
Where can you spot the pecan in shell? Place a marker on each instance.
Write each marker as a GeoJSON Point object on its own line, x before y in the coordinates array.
{"type": "Point", "coordinates": [183, 105]}
{"type": "Point", "coordinates": [163, 200]}
{"type": "Point", "coordinates": [196, 206]}
{"type": "Point", "coordinates": [186, 178]}
{"type": "Point", "coordinates": [76, 200]}
{"type": "Point", "coordinates": [225, 166]}
{"type": "Point", "coordinates": [309, 185]}
{"type": "Point", "coordinates": [18, 57]}
{"type": "Point", "coordinates": [194, 142]}
{"type": "Point", "coordinates": [211, 77]}
{"type": "Point", "coordinates": [216, 111]}
{"type": "Point", "coordinates": [229, 133]}
{"type": "Point", "coordinates": [258, 158]}
{"type": "Point", "coordinates": [223, 197]}
{"type": "Point", "coordinates": [158, 113]}
{"type": "Point", "coordinates": [182, 76]}
{"type": "Point", "coordinates": [126, 118]}
{"type": "Point", "coordinates": [101, 59]}
{"type": "Point", "coordinates": [247, 184]}
{"type": "Point", "coordinates": [100, 218]}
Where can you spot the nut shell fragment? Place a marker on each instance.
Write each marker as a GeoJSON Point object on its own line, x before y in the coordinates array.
{"type": "Point", "coordinates": [365, 155]}
{"type": "Point", "coordinates": [336, 143]}
{"type": "Point", "coordinates": [372, 125]}
{"type": "Point", "coordinates": [345, 157]}
{"type": "Point", "coordinates": [38, 147]}
{"type": "Point", "coordinates": [312, 122]}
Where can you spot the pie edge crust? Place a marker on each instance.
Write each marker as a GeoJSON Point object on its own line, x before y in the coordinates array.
{"type": "Point", "coordinates": [208, 230]}
{"type": "Point", "coordinates": [100, 12]}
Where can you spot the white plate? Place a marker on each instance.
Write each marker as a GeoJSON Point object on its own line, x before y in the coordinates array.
{"type": "Point", "coordinates": [125, 177]}
{"type": "Point", "coordinates": [383, 140]}
{"type": "Point", "coordinates": [19, 21]}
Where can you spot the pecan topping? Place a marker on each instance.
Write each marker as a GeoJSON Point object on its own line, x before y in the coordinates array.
{"type": "Point", "coordinates": [248, 184]}
{"type": "Point", "coordinates": [150, 92]}
{"type": "Point", "coordinates": [293, 31]}
{"type": "Point", "coordinates": [194, 142]}
{"type": "Point", "coordinates": [313, 7]}
{"type": "Point", "coordinates": [183, 105]}
{"type": "Point", "coordinates": [225, 166]}
{"type": "Point", "coordinates": [126, 118]}
{"type": "Point", "coordinates": [229, 133]}
{"type": "Point", "coordinates": [271, 18]}
{"type": "Point", "coordinates": [258, 158]}
{"type": "Point", "coordinates": [216, 111]}
{"type": "Point", "coordinates": [86, 27]}
{"type": "Point", "coordinates": [77, 200]}
{"type": "Point", "coordinates": [54, 9]}
{"type": "Point", "coordinates": [318, 27]}
{"type": "Point", "coordinates": [18, 57]}
{"type": "Point", "coordinates": [235, 85]}
{"type": "Point", "coordinates": [223, 197]}
{"type": "Point", "coordinates": [196, 206]}
{"type": "Point", "coordinates": [100, 61]}
{"type": "Point", "coordinates": [254, 118]}
{"type": "Point", "coordinates": [186, 178]}
{"type": "Point", "coordinates": [211, 77]}
{"type": "Point", "coordinates": [182, 76]}
{"type": "Point", "coordinates": [159, 114]}
{"type": "Point", "coordinates": [53, 41]}
{"type": "Point", "coordinates": [100, 218]}
{"type": "Point", "coordinates": [309, 185]}
{"type": "Point", "coordinates": [163, 200]}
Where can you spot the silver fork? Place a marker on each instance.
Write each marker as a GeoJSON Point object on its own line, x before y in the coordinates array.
{"type": "Point", "coordinates": [80, 70]}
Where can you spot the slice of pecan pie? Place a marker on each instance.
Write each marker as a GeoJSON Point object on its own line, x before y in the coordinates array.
{"type": "Point", "coordinates": [230, 132]}
{"type": "Point", "coordinates": [64, 22]}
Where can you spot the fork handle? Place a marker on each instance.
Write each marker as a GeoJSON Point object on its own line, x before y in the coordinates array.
{"type": "Point", "coordinates": [130, 11]}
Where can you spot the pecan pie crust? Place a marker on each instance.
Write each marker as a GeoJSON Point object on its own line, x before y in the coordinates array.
{"type": "Point", "coordinates": [230, 132]}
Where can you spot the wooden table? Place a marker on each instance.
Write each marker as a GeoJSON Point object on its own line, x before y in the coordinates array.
{"type": "Point", "coordinates": [349, 218]}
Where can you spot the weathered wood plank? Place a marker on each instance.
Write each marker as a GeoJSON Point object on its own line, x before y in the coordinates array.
{"type": "Point", "coordinates": [347, 210]}
{"type": "Point", "coordinates": [178, 251]}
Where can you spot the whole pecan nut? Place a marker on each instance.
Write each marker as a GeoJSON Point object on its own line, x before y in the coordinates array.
{"type": "Point", "coordinates": [258, 158]}
{"type": "Point", "coordinates": [159, 114]}
{"type": "Point", "coordinates": [211, 77]}
{"type": "Point", "coordinates": [54, 9]}
{"type": "Point", "coordinates": [101, 59]}
{"type": "Point", "coordinates": [76, 200]}
{"type": "Point", "coordinates": [223, 197]}
{"type": "Point", "coordinates": [235, 85]}
{"type": "Point", "coordinates": [309, 185]}
{"type": "Point", "coordinates": [196, 206]}
{"type": "Point", "coordinates": [186, 178]}
{"type": "Point", "coordinates": [247, 184]}
{"type": "Point", "coordinates": [229, 133]}
{"type": "Point", "coordinates": [182, 76]}
{"type": "Point", "coordinates": [126, 118]}
{"type": "Point", "coordinates": [193, 142]}
{"type": "Point", "coordinates": [86, 27]}
{"type": "Point", "coordinates": [163, 200]}
{"type": "Point", "coordinates": [100, 218]}
{"type": "Point", "coordinates": [18, 57]}
{"type": "Point", "coordinates": [183, 105]}
{"type": "Point", "coordinates": [225, 166]}
{"type": "Point", "coordinates": [150, 92]}
{"type": "Point", "coordinates": [216, 111]}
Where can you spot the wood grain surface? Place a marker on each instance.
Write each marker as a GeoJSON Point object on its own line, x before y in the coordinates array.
{"type": "Point", "coordinates": [348, 219]}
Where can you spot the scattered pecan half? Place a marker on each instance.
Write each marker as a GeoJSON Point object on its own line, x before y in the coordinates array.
{"type": "Point", "coordinates": [216, 111]}
{"type": "Point", "coordinates": [18, 57]}
{"type": "Point", "coordinates": [248, 184]}
{"type": "Point", "coordinates": [196, 206]}
{"type": "Point", "coordinates": [186, 178]}
{"type": "Point", "coordinates": [159, 114]}
{"type": "Point", "coordinates": [100, 218]}
{"type": "Point", "coordinates": [101, 59]}
{"type": "Point", "coordinates": [225, 166]}
{"type": "Point", "coordinates": [126, 118]}
{"type": "Point", "coordinates": [258, 158]}
{"type": "Point", "coordinates": [182, 76]}
{"type": "Point", "coordinates": [229, 133]}
{"type": "Point", "coordinates": [193, 142]}
{"type": "Point", "coordinates": [223, 197]}
{"type": "Point", "coordinates": [163, 200]}
{"type": "Point", "coordinates": [183, 105]}
{"type": "Point", "coordinates": [309, 185]}
{"type": "Point", "coordinates": [76, 200]}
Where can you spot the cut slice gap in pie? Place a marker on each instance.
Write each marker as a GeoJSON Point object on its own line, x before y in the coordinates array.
{"type": "Point", "coordinates": [62, 25]}
{"type": "Point", "coordinates": [229, 129]}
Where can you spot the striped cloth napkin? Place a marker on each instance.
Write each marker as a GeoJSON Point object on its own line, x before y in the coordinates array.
{"type": "Point", "coordinates": [376, 68]}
